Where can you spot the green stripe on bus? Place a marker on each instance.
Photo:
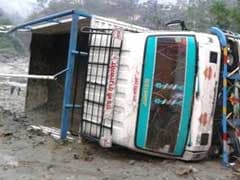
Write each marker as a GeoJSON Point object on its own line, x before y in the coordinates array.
{"type": "Point", "coordinates": [188, 97]}
{"type": "Point", "coordinates": [146, 95]}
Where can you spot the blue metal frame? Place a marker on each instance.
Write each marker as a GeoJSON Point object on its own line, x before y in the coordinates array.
{"type": "Point", "coordinates": [50, 18]}
{"type": "Point", "coordinates": [223, 42]}
{"type": "Point", "coordinates": [69, 76]}
{"type": "Point", "coordinates": [220, 34]}
{"type": "Point", "coordinates": [72, 52]}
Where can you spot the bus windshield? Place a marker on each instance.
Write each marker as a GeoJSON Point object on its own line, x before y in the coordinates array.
{"type": "Point", "coordinates": [167, 94]}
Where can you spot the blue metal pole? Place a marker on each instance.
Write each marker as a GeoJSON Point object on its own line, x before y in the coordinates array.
{"type": "Point", "coordinates": [69, 76]}
{"type": "Point", "coordinates": [41, 20]}
{"type": "Point", "coordinates": [224, 114]}
{"type": "Point", "coordinates": [223, 41]}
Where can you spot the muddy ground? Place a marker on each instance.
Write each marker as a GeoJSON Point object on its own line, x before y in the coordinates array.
{"type": "Point", "coordinates": [27, 154]}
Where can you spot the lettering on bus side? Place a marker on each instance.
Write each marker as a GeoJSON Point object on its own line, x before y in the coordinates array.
{"type": "Point", "coordinates": [136, 86]}
{"type": "Point", "coordinates": [111, 86]}
{"type": "Point", "coordinates": [146, 85]}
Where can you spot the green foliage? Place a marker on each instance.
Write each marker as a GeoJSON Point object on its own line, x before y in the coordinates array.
{"type": "Point", "coordinates": [221, 14]}
{"type": "Point", "coordinates": [5, 43]}
{"type": "Point", "coordinates": [197, 15]}
{"type": "Point", "coordinates": [236, 18]}
{"type": "Point", "coordinates": [152, 14]}
{"type": "Point", "coordinates": [226, 16]}
{"type": "Point", "coordinates": [42, 3]}
{"type": "Point", "coordinates": [53, 6]}
{"type": "Point", "coordinates": [9, 44]}
{"type": "Point", "coordinates": [12, 45]}
{"type": "Point", "coordinates": [122, 9]}
{"type": "Point", "coordinates": [4, 21]}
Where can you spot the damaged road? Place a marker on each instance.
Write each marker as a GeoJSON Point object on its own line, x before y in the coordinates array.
{"type": "Point", "coordinates": [32, 155]}
{"type": "Point", "coordinates": [26, 154]}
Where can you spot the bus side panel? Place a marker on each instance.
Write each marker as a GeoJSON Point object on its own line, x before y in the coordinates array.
{"type": "Point", "coordinates": [207, 77]}
{"type": "Point", "coordinates": [128, 87]}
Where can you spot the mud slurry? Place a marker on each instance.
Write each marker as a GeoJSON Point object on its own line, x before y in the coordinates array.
{"type": "Point", "coordinates": [31, 155]}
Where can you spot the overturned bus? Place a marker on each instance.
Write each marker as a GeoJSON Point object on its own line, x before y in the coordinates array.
{"type": "Point", "coordinates": [154, 92]}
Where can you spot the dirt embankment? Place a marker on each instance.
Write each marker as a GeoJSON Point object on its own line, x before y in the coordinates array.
{"type": "Point", "coordinates": [27, 154]}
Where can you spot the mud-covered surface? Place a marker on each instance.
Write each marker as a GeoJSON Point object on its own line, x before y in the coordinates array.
{"type": "Point", "coordinates": [26, 154]}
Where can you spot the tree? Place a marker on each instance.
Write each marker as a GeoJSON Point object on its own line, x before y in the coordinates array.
{"type": "Point", "coordinates": [122, 9]}
{"type": "Point", "coordinates": [125, 9]}
{"type": "Point", "coordinates": [226, 15]}
{"type": "Point", "coordinates": [221, 14]}
{"type": "Point", "coordinates": [4, 20]}
{"type": "Point", "coordinates": [42, 3]}
{"type": "Point", "coordinates": [9, 44]}
{"type": "Point", "coordinates": [152, 14]}
{"type": "Point", "coordinates": [197, 15]}
{"type": "Point", "coordinates": [236, 17]}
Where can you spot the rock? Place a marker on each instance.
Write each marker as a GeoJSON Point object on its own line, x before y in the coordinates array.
{"type": "Point", "coordinates": [89, 153]}
{"type": "Point", "coordinates": [89, 158]}
{"type": "Point", "coordinates": [14, 117]}
{"type": "Point", "coordinates": [8, 161]}
{"type": "Point", "coordinates": [41, 142]}
{"type": "Point", "coordinates": [165, 177]}
{"type": "Point", "coordinates": [195, 170]}
{"type": "Point", "coordinates": [132, 162]}
{"type": "Point", "coordinates": [99, 170]}
{"type": "Point", "coordinates": [50, 166]}
{"type": "Point", "coordinates": [185, 171]}
{"type": "Point", "coordinates": [162, 176]}
{"type": "Point", "coordinates": [79, 140]}
{"type": "Point", "coordinates": [6, 134]}
{"type": "Point", "coordinates": [29, 129]}
{"type": "Point", "coordinates": [5, 168]}
{"type": "Point", "coordinates": [37, 132]}
{"type": "Point", "coordinates": [105, 178]}
{"type": "Point", "coordinates": [76, 156]}
{"type": "Point", "coordinates": [236, 167]}
{"type": "Point", "coordinates": [47, 177]}
{"type": "Point", "coordinates": [197, 178]}
{"type": "Point", "coordinates": [22, 116]}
